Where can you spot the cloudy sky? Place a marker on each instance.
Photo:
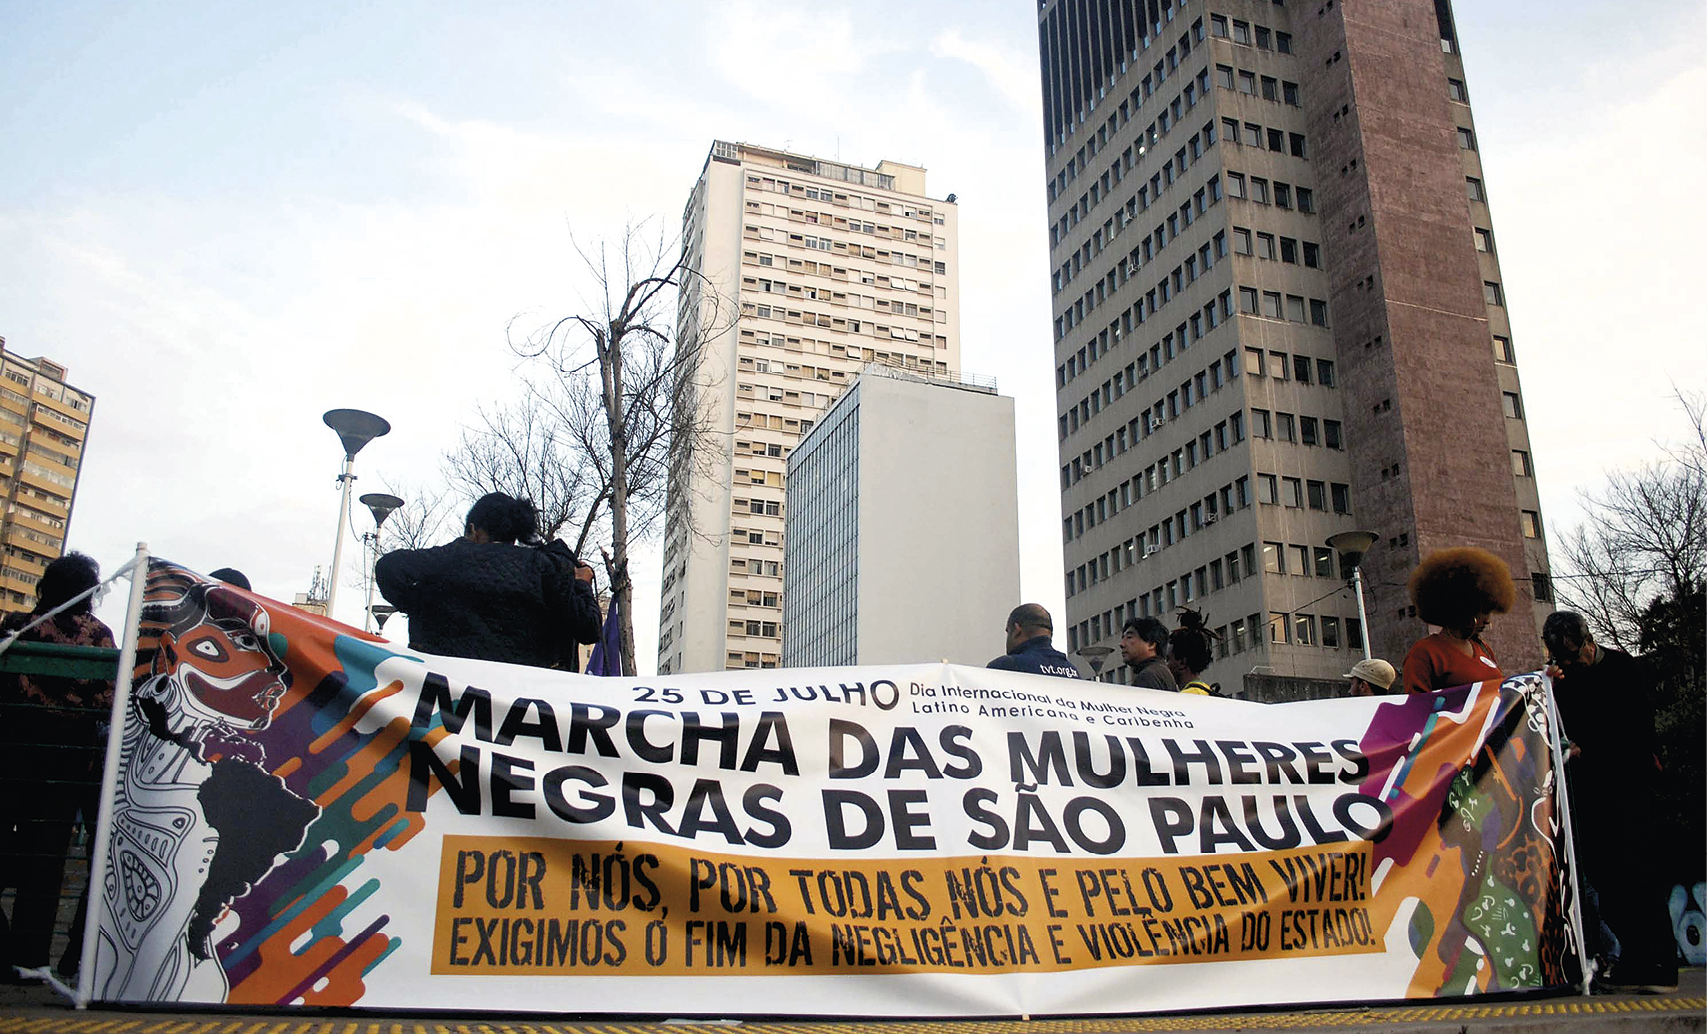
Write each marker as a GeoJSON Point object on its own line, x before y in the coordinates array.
{"type": "Point", "coordinates": [226, 218]}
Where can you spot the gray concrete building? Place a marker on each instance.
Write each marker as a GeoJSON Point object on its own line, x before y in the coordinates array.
{"type": "Point", "coordinates": [1278, 315]}
{"type": "Point", "coordinates": [902, 536]}
{"type": "Point", "coordinates": [809, 270]}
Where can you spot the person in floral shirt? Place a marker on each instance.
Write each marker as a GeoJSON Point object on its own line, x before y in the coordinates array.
{"type": "Point", "coordinates": [51, 732]}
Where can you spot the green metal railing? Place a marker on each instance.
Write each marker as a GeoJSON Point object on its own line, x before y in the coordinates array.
{"type": "Point", "coordinates": [60, 661]}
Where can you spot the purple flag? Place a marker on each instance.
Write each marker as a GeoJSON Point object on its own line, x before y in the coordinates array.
{"type": "Point", "coordinates": [607, 652]}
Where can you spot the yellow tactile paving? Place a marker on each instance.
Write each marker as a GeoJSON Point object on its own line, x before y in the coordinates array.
{"type": "Point", "coordinates": [1325, 1020]}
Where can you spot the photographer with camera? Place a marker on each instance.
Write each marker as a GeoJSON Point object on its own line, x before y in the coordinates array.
{"type": "Point", "coordinates": [487, 597]}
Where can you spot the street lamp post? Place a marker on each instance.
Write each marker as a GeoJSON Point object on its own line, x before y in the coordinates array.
{"type": "Point", "coordinates": [1351, 545]}
{"type": "Point", "coordinates": [355, 429]}
{"type": "Point", "coordinates": [1096, 657]}
{"type": "Point", "coordinates": [380, 505]}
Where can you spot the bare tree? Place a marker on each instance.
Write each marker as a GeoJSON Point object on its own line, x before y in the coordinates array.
{"type": "Point", "coordinates": [1644, 539]}
{"type": "Point", "coordinates": [427, 517]}
{"type": "Point", "coordinates": [621, 380]}
{"type": "Point", "coordinates": [526, 450]}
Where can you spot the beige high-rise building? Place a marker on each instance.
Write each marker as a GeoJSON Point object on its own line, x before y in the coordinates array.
{"type": "Point", "coordinates": [811, 269]}
{"type": "Point", "coordinates": [1278, 316]}
{"type": "Point", "coordinates": [43, 425]}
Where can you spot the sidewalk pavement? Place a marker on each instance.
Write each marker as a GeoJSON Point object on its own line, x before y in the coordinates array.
{"type": "Point", "coordinates": [37, 1010]}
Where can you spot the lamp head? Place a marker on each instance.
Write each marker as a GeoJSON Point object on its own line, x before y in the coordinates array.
{"type": "Point", "coordinates": [355, 428]}
{"type": "Point", "coordinates": [381, 506]}
{"type": "Point", "coordinates": [1096, 657]}
{"type": "Point", "coordinates": [1351, 545]}
{"type": "Point", "coordinates": [380, 612]}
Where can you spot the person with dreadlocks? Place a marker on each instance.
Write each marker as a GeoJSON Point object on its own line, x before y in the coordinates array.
{"type": "Point", "coordinates": [1189, 654]}
{"type": "Point", "coordinates": [1459, 590]}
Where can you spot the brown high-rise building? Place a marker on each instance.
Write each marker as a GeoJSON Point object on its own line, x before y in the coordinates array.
{"type": "Point", "coordinates": [1278, 316]}
{"type": "Point", "coordinates": [43, 424]}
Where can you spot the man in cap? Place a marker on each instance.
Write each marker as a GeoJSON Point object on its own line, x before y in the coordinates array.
{"type": "Point", "coordinates": [1029, 646]}
{"type": "Point", "coordinates": [1370, 677]}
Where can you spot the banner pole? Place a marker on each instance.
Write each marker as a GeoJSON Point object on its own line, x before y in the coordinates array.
{"type": "Point", "coordinates": [1564, 796]}
{"type": "Point", "coordinates": [110, 773]}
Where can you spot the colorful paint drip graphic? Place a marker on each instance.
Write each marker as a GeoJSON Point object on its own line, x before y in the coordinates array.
{"type": "Point", "coordinates": [1475, 849]}
{"type": "Point", "coordinates": [247, 744]}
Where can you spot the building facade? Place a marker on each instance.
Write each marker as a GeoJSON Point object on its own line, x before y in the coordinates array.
{"type": "Point", "coordinates": [808, 270]}
{"type": "Point", "coordinates": [1278, 315]}
{"type": "Point", "coordinates": [893, 553]}
{"type": "Point", "coordinates": [44, 423]}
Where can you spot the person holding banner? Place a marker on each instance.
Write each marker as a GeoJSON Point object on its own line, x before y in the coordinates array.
{"type": "Point", "coordinates": [1458, 590]}
{"type": "Point", "coordinates": [1189, 654]}
{"type": "Point", "coordinates": [50, 733]}
{"type": "Point", "coordinates": [1144, 648]}
{"type": "Point", "coordinates": [486, 597]}
{"type": "Point", "coordinates": [1606, 709]}
{"type": "Point", "coordinates": [1029, 645]}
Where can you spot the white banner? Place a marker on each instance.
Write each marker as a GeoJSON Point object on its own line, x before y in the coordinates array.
{"type": "Point", "coordinates": [308, 815]}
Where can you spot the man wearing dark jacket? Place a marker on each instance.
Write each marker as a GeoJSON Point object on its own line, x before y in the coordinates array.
{"type": "Point", "coordinates": [1607, 713]}
{"type": "Point", "coordinates": [1029, 648]}
{"type": "Point", "coordinates": [483, 596]}
{"type": "Point", "coordinates": [1144, 648]}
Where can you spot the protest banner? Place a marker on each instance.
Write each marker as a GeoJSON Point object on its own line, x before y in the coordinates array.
{"type": "Point", "coordinates": [306, 814]}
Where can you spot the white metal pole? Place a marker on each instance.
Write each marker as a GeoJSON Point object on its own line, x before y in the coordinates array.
{"type": "Point", "coordinates": [348, 477]}
{"type": "Point", "coordinates": [1557, 739]}
{"type": "Point", "coordinates": [369, 556]}
{"type": "Point", "coordinates": [1362, 617]}
{"type": "Point", "coordinates": [110, 774]}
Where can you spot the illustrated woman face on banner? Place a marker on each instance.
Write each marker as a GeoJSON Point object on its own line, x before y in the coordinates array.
{"type": "Point", "coordinates": [218, 641]}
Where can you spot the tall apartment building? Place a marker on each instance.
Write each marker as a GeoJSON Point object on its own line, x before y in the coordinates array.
{"type": "Point", "coordinates": [43, 425]}
{"type": "Point", "coordinates": [872, 574]}
{"type": "Point", "coordinates": [824, 267]}
{"type": "Point", "coordinates": [1278, 316]}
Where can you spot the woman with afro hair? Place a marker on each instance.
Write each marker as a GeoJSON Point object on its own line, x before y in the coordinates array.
{"type": "Point", "coordinates": [1458, 590]}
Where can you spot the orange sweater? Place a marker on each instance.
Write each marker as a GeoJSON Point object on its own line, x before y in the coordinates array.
{"type": "Point", "coordinates": [1436, 663]}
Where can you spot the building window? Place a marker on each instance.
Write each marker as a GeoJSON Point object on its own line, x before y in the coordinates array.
{"type": "Point", "coordinates": [1520, 465]}
{"type": "Point", "coordinates": [1266, 489]}
{"type": "Point", "coordinates": [1543, 587]}
{"type": "Point", "coordinates": [1241, 241]}
{"type": "Point", "coordinates": [1235, 184]}
{"type": "Point", "coordinates": [1330, 632]}
{"type": "Point", "coordinates": [1341, 495]}
{"type": "Point", "coordinates": [1224, 79]}
{"type": "Point", "coordinates": [1512, 405]}
{"type": "Point", "coordinates": [1324, 562]}
{"type": "Point", "coordinates": [1502, 350]}
{"type": "Point", "coordinates": [1292, 496]}
{"type": "Point", "coordinates": [1455, 90]}
{"type": "Point", "coordinates": [1531, 524]}
{"type": "Point", "coordinates": [1317, 495]}
{"type": "Point", "coordinates": [1466, 139]}
{"type": "Point", "coordinates": [1484, 240]}
{"type": "Point", "coordinates": [1304, 629]}
{"type": "Point", "coordinates": [1278, 628]}
{"type": "Point", "coordinates": [1492, 294]}
{"type": "Point", "coordinates": [1312, 255]}
{"type": "Point", "coordinates": [1248, 300]}
{"type": "Point", "coordinates": [1318, 312]}
{"type": "Point", "coordinates": [1331, 436]}
{"type": "Point", "coordinates": [1473, 187]}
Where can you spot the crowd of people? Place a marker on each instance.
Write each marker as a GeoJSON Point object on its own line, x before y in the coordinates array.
{"type": "Point", "coordinates": [499, 593]}
{"type": "Point", "coordinates": [1604, 710]}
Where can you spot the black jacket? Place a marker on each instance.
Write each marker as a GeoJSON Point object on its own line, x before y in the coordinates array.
{"type": "Point", "coordinates": [1037, 656]}
{"type": "Point", "coordinates": [492, 602]}
{"type": "Point", "coordinates": [1155, 674]}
